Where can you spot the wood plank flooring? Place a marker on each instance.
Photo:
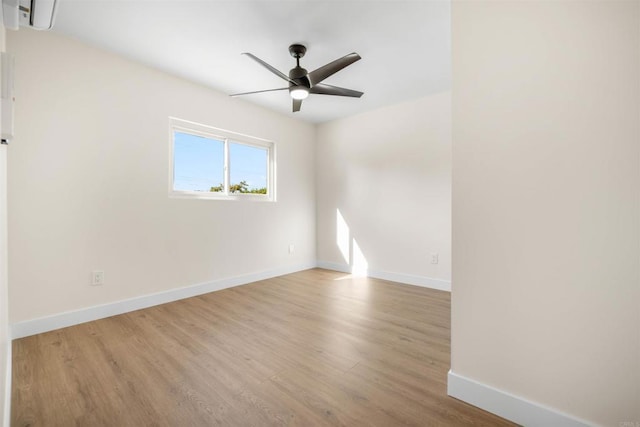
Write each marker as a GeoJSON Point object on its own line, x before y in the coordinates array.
{"type": "Point", "coordinates": [312, 348]}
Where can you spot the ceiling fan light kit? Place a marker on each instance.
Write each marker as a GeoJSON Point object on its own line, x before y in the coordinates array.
{"type": "Point", "coordinates": [297, 92]}
{"type": "Point", "coordinates": [303, 83]}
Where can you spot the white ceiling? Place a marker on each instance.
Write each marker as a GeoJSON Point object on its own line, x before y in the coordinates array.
{"type": "Point", "coordinates": [405, 45]}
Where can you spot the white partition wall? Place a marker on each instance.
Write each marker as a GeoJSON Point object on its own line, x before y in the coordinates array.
{"type": "Point", "coordinates": [546, 210]}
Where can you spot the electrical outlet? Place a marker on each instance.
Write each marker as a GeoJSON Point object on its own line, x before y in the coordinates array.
{"type": "Point", "coordinates": [434, 258]}
{"type": "Point", "coordinates": [97, 278]}
{"type": "Point", "coordinates": [291, 249]}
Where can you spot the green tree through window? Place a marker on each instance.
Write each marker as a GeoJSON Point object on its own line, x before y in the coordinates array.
{"type": "Point", "coordinates": [241, 187]}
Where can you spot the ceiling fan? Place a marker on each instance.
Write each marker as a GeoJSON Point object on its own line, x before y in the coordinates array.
{"type": "Point", "coordinates": [302, 83]}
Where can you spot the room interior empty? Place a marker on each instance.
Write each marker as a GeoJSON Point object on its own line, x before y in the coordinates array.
{"type": "Point", "coordinates": [415, 213]}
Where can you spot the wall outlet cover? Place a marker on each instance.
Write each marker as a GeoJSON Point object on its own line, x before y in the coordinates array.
{"type": "Point", "coordinates": [97, 278]}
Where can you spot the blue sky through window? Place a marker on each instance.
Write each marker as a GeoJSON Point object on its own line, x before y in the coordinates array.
{"type": "Point", "coordinates": [248, 164]}
{"type": "Point", "coordinates": [198, 163]}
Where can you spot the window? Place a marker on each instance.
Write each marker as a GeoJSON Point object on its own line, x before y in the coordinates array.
{"type": "Point", "coordinates": [212, 163]}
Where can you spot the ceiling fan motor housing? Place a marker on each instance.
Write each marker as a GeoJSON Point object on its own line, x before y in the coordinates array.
{"type": "Point", "coordinates": [299, 89]}
{"type": "Point", "coordinates": [299, 75]}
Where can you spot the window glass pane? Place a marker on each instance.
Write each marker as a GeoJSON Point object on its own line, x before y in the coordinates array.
{"type": "Point", "coordinates": [198, 163]}
{"type": "Point", "coordinates": [248, 169]}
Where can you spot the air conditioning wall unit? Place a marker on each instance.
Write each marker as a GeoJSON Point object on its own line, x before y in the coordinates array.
{"type": "Point", "coordinates": [36, 14]}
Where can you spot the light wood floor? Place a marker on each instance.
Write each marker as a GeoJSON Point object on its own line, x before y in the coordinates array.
{"type": "Point", "coordinates": [311, 348]}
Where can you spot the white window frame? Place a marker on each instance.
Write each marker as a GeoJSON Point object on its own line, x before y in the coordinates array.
{"type": "Point", "coordinates": [227, 137]}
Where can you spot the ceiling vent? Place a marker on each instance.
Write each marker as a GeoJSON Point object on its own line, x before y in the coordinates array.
{"type": "Point", "coordinates": [36, 14]}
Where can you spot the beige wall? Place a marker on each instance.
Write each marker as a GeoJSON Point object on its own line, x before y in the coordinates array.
{"type": "Point", "coordinates": [88, 175]}
{"type": "Point", "coordinates": [5, 343]}
{"type": "Point", "coordinates": [388, 173]}
{"type": "Point", "coordinates": [546, 203]}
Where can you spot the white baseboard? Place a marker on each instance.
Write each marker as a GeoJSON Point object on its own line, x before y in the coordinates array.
{"type": "Point", "coordinates": [408, 279]}
{"type": "Point", "coordinates": [507, 405]}
{"type": "Point", "coordinates": [6, 422]}
{"type": "Point", "coordinates": [343, 268]}
{"type": "Point", "coordinates": [75, 317]}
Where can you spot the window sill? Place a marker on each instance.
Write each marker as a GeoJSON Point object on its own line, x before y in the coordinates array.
{"type": "Point", "coordinates": [201, 195]}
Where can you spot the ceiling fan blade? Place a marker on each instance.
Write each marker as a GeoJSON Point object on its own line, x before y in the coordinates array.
{"type": "Point", "coordinates": [325, 89]}
{"type": "Point", "coordinates": [259, 91]}
{"type": "Point", "coordinates": [297, 103]}
{"type": "Point", "coordinates": [316, 76]}
{"type": "Point", "coordinates": [269, 67]}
